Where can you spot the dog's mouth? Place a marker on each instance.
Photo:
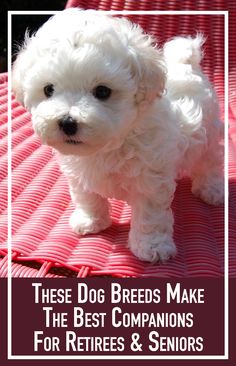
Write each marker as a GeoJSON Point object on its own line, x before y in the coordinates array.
{"type": "Point", "coordinates": [73, 142]}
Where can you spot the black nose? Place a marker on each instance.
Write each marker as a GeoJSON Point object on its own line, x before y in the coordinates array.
{"type": "Point", "coordinates": [68, 125]}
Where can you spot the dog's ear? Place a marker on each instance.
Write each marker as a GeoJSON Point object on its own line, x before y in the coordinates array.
{"type": "Point", "coordinates": [148, 67]}
{"type": "Point", "coordinates": [18, 75]}
{"type": "Point", "coordinates": [20, 68]}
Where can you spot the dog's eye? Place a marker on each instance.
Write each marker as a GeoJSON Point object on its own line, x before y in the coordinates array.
{"type": "Point", "coordinates": [48, 90]}
{"type": "Point", "coordinates": [102, 92]}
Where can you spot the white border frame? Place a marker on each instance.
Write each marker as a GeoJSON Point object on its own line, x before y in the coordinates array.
{"type": "Point", "coordinates": [226, 253]}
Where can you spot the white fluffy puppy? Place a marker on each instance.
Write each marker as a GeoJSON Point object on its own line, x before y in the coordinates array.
{"type": "Point", "coordinates": [94, 85]}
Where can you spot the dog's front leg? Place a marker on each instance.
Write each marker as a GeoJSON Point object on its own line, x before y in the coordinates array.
{"type": "Point", "coordinates": [150, 237]}
{"type": "Point", "coordinates": [91, 214]}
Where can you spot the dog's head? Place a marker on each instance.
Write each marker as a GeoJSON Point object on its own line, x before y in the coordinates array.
{"type": "Point", "coordinates": [84, 76]}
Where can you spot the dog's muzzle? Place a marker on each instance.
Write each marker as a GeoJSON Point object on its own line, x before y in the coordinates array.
{"type": "Point", "coordinates": [68, 125]}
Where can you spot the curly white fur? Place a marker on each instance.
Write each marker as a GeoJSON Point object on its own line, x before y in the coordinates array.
{"type": "Point", "coordinates": [133, 145]}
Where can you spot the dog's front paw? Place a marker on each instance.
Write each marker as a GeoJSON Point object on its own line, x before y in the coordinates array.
{"type": "Point", "coordinates": [150, 249]}
{"type": "Point", "coordinates": [83, 223]}
{"type": "Point", "coordinates": [210, 190]}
